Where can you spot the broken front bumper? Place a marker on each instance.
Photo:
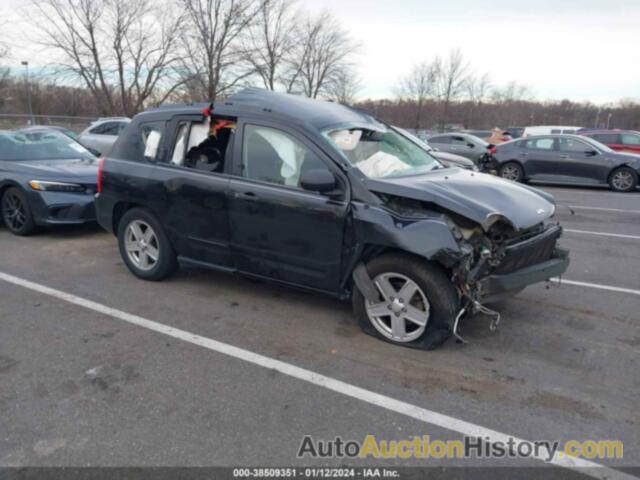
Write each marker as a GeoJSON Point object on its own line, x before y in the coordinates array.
{"type": "Point", "coordinates": [496, 285]}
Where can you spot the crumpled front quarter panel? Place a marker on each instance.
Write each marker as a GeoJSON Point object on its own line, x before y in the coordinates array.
{"type": "Point", "coordinates": [422, 236]}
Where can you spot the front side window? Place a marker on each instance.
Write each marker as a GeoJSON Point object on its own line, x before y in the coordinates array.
{"type": "Point", "coordinates": [379, 154]}
{"type": "Point", "coordinates": [273, 156]}
{"type": "Point", "coordinates": [633, 140]}
{"type": "Point", "coordinates": [573, 145]}
{"type": "Point", "coordinates": [440, 140]}
{"type": "Point", "coordinates": [48, 145]}
{"type": "Point", "coordinates": [540, 144]}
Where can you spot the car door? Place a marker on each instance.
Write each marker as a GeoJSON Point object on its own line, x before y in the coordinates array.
{"type": "Point", "coordinates": [631, 142]}
{"type": "Point", "coordinates": [539, 157]}
{"type": "Point", "coordinates": [441, 142]}
{"type": "Point", "coordinates": [462, 146]}
{"type": "Point", "coordinates": [191, 201]}
{"type": "Point", "coordinates": [611, 140]}
{"type": "Point", "coordinates": [581, 161]}
{"type": "Point", "coordinates": [277, 229]}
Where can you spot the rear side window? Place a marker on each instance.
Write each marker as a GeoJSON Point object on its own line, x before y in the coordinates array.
{"type": "Point", "coordinates": [571, 131]}
{"type": "Point", "coordinates": [555, 131]}
{"type": "Point", "coordinates": [539, 144]}
{"type": "Point", "coordinates": [631, 140]}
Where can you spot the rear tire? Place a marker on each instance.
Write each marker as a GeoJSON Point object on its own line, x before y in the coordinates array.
{"type": "Point", "coordinates": [16, 212]}
{"type": "Point", "coordinates": [144, 246]}
{"type": "Point", "coordinates": [512, 171]}
{"type": "Point", "coordinates": [623, 179]}
{"type": "Point", "coordinates": [435, 300]}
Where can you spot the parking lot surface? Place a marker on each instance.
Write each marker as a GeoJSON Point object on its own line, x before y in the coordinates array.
{"type": "Point", "coordinates": [79, 387]}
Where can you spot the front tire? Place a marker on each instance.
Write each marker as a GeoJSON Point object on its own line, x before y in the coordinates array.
{"type": "Point", "coordinates": [144, 246]}
{"type": "Point", "coordinates": [512, 171]}
{"type": "Point", "coordinates": [16, 212]}
{"type": "Point", "coordinates": [623, 179]}
{"type": "Point", "coordinates": [417, 303]}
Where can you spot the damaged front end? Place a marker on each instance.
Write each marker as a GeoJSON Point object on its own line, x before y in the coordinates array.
{"type": "Point", "coordinates": [503, 260]}
{"type": "Point", "coordinates": [494, 259]}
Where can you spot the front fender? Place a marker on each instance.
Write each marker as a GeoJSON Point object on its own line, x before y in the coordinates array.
{"type": "Point", "coordinates": [424, 236]}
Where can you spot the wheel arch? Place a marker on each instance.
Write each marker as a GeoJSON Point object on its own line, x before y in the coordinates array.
{"type": "Point", "coordinates": [119, 209]}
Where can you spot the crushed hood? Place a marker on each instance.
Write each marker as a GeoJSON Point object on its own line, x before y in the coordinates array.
{"type": "Point", "coordinates": [476, 196]}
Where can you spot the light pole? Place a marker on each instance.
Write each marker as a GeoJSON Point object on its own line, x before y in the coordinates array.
{"type": "Point", "coordinates": [609, 120]}
{"type": "Point", "coordinates": [28, 85]}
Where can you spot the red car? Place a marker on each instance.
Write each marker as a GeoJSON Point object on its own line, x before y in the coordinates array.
{"type": "Point", "coordinates": [619, 140]}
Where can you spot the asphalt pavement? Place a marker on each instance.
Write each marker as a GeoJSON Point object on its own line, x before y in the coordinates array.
{"type": "Point", "coordinates": [84, 388]}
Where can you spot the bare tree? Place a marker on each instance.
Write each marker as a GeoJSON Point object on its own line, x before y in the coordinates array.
{"type": "Point", "coordinates": [123, 51]}
{"type": "Point", "coordinates": [323, 51]}
{"type": "Point", "coordinates": [214, 60]}
{"type": "Point", "coordinates": [418, 87]}
{"type": "Point", "coordinates": [272, 37]}
{"type": "Point", "coordinates": [344, 87]}
{"type": "Point", "coordinates": [451, 77]}
{"type": "Point", "coordinates": [477, 91]}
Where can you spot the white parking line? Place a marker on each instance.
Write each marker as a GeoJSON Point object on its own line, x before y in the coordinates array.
{"type": "Point", "coordinates": [422, 414]}
{"type": "Point", "coordinates": [603, 209]}
{"type": "Point", "coordinates": [604, 234]}
{"type": "Point", "coordinates": [596, 285]}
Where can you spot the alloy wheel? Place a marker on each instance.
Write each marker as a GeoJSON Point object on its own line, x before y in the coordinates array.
{"type": "Point", "coordinates": [622, 180]}
{"type": "Point", "coordinates": [13, 211]}
{"type": "Point", "coordinates": [510, 172]}
{"type": "Point", "coordinates": [403, 313]}
{"type": "Point", "coordinates": [141, 245]}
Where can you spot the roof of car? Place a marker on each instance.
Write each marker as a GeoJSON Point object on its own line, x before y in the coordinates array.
{"type": "Point", "coordinates": [319, 113]}
{"type": "Point", "coordinates": [605, 131]}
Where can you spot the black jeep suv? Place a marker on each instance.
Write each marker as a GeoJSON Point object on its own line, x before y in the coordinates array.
{"type": "Point", "coordinates": [323, 197]}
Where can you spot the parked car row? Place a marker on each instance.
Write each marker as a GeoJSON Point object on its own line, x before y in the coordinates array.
{"type": "Point", "coordinates": [300, 192]}
{"type": "Point", "coordinates": [566, 159]}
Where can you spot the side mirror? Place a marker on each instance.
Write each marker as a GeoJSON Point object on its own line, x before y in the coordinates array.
{"type": "Point", "coordinates": [95, 152]}
{"type": "Point", "coordinates": [591, 153]}
{"type": "Point", "coordinates": [321, 181]}
{"type": "Point", "coordinates": [471, 145]}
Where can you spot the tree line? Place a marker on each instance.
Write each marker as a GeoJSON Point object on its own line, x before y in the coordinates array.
{"type": "Point", "coordinates": [118, 57]}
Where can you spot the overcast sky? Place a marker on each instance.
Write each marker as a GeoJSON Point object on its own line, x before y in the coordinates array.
{"type": "Point", "coordinates": [575, 49]}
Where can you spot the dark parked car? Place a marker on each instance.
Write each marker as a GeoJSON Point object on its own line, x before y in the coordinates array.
{"type": "Point", "coordinates": [569, 159]}
{"type": "Point", "coordinates": [46, 178]}
{"type": "Point", "coordinates": [447, 159]}
{"type": "Point", "coordinates": [468, 146]}
{"type": "Point", "coordinates": [322, 197]}
{"type": "Point", "coordinates": [44, 128]}
{"type": "Point", "coordinates": [618, 140]}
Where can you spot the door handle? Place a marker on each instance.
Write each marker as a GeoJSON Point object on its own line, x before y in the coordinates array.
{"type": "Point", "coordinates": [524, 154]}
{"type": "Point", "coordinates": [245, 195]}
{"type": "Point", "coordinates": [564, 157]}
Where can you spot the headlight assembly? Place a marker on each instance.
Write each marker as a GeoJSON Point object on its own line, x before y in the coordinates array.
{"type": "Point", "coordinates": [43, 186]}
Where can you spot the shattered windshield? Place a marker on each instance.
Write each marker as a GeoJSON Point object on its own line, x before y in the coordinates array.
{"type": "Point", "coordinates": [40, 145]}
{"type": "Point", "coordinates": [380, 154]}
